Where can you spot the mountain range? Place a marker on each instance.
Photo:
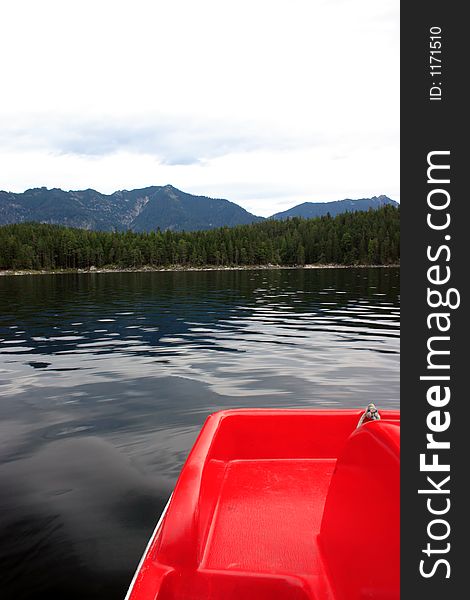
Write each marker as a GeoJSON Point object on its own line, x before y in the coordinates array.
{"type": "Point", "coordinates": [308, 210]}
{"type": "Point", "coordinates": [147, 209]}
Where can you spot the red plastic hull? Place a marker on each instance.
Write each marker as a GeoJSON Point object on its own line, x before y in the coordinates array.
{"type": "Point", "coordinates": [275, 504]}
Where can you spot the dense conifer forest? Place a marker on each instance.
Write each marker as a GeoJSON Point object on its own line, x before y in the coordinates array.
{"type": "Point", "coordinates": [365, 238]}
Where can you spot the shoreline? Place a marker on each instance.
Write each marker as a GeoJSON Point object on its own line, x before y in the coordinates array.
{"type": "Point", "coordinates": [182, 268]}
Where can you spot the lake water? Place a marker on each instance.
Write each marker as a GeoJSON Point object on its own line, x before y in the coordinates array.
{"type": "Point", "coordinates": [106, 379]}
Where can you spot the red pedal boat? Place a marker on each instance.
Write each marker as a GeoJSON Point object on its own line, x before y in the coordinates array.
{"type": "Point", "coordinates": [281, 504]}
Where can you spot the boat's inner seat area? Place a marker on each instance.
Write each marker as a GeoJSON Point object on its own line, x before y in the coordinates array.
{"type": "Point", "coordinates": [360, 531]}
{"type": "Point", "coordinates": [284, 504]}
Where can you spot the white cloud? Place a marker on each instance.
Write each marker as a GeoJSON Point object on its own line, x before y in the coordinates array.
{"type": "Point", "coordinates": [267, 103]}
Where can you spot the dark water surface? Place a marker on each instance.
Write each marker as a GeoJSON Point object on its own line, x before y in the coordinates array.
{"type": "Point", "coordinates": [105, 380]}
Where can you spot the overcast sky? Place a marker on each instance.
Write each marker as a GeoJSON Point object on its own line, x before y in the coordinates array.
{"type": "Point", "coordinates": [268, 103]}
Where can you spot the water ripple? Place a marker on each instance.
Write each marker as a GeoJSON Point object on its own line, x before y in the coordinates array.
{"type": "Point", "coordinates": [105, 380]}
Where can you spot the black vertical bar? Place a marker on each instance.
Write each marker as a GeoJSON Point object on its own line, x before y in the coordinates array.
{"type": "Point", "coordinates": [434, 120]}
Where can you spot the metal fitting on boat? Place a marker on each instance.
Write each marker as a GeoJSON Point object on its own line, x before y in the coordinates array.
{"type": "Point", "coordinates": [370, 414]}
